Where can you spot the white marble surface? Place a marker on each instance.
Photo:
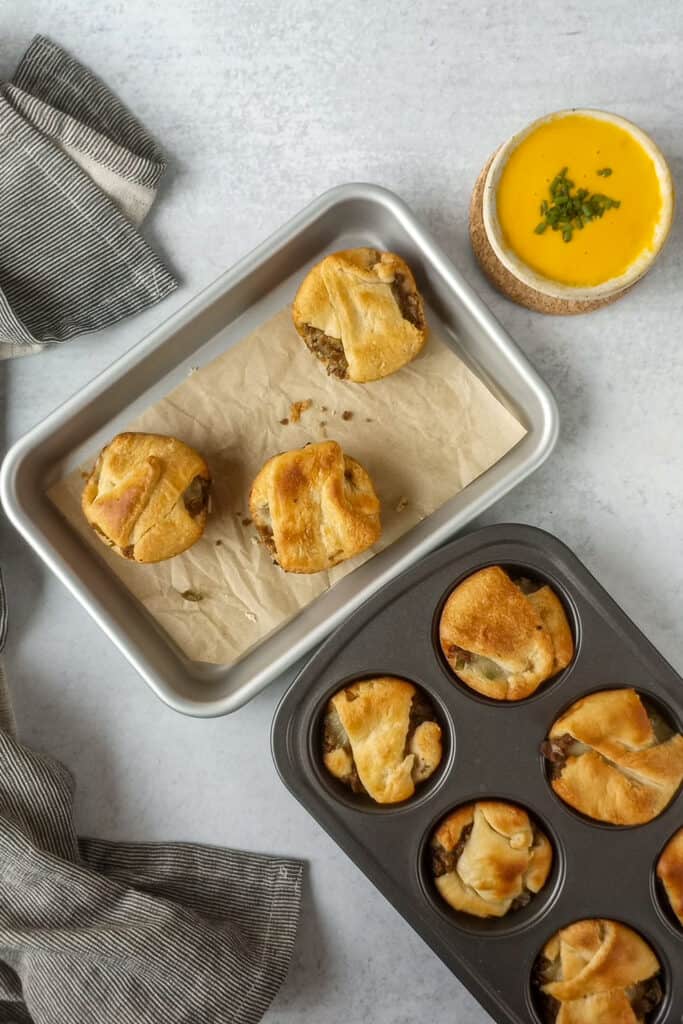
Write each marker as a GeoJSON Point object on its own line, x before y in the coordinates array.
{"type": "Point", "coordinates": [261, 106]}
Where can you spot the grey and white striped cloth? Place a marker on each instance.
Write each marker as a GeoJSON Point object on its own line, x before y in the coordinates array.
{"type": "Point", "coordinates": [131, 933]}
{"type": "Point", "coordinates": [78, 174]}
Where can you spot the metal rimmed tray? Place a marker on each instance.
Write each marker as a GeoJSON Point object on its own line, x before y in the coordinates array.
{"type": "Point", "coordinates": [491, 750]}
{"type": "Point", "coordinates": [240, 300]}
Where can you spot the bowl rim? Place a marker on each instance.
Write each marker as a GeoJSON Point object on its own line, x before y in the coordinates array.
{"type": "Point", "coordinates": [557, 289]}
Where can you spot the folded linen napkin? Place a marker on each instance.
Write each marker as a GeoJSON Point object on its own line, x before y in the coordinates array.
{"type": "Point", "coordinates": [129, 932]}
{"type": "Point", "coordinates": [78, 173]}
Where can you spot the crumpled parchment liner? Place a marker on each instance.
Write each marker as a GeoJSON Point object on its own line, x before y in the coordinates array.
{"type": "Point", "coordinates": [423, 434]}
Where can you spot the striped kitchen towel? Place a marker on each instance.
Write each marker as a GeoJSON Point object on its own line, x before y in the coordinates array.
{"type": "Point", "coordinates": [129, 933]}
{"type": "Point", "coordinates": [78, 173]}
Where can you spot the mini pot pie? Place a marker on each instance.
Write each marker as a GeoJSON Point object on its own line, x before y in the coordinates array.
{"type": "Point", "coordinates": [597, 971]}
{"type": "Point", "coordinates": [148, 496]}
{"type": "Point", "coordinates": [504, 637]}
{"type": "Point", "coordinates": [614, 759]}
{"type": "Point", "coordinates": [360, 313]}
{"type": "Point", "coordinates": [314, 507]}
{"type": "Point", "coordinates": [488, 858]}
{"type": "Point", "coordinates": [670, 873]}
{"type": "Point", "coordinates": [381, 737]}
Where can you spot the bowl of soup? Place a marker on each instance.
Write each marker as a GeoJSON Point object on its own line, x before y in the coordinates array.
{"type": "Point", "coordinates": [578, 205]}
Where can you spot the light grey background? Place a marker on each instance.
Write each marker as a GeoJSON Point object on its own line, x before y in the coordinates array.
{"type": "Point", "coordinates": [262, 106]}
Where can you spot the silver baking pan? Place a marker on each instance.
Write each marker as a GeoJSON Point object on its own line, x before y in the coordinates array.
{"type": "Point", "coordinates": [240, 300]}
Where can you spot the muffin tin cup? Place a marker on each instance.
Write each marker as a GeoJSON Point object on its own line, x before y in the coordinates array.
{"type": "Point", "coordinates": [492, 752]}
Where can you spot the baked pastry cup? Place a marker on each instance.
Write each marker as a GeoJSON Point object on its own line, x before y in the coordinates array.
{"type": "Point", "coordinates": [614, 759]}
{"type": "Point", "coordinates": [504, 637]}
{"type": "Point", "coordinates": [670, 873]}
{"type": "Point", "coordinates": [597, 970]}
{"type": "Point", "coordinates": [381, 737]}
{"type": "Point", "coordinates": [314, 507]}
{"type": "Point", "coordinates": [489, 858]}
{"type": "Point", "coordinates": [148, 496]}
{"type": "Point", "coordinates": [360, 313]}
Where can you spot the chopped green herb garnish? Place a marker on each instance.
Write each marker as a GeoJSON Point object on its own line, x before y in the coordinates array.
{"type": "Point", "coordinates": [569, 211]}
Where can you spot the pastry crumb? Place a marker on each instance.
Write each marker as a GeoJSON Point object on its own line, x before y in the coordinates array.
{"type": "Point", "coordinates": [254, 540]}
{"type": "Point", "coordinates": [297, 409]}
{"type": "Point", "coordinates": [193, 369]}
{"type": "Point", "coordinates": [250, 616]}
{"type": "Point", "coordinates": [191, 595]}
{"type": "Point", "coordinates": [284, 422]}
{"type": "Point", "coordinates": [401, 504]}
{"type": "Point", "coordinates": [246, 521]}
{"type": "Point", "coordinates": [347, 414]}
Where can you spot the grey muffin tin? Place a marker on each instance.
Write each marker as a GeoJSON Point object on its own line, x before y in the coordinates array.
{"type": "Point", "coordinates": [491, 750]}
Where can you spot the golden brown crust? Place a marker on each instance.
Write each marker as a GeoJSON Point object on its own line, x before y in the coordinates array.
{"type": "Point", "coordinates": [372, 738]}
{"type": "Point", "coordinates": [505, 281]}
{"type": "Point", "coordinates": [496, 865]}
{"type": "Point", "coordinates": [361, 314]}
{"type": "Point", "coordinates": [500, 641]}
{"type": "Point", "coordinates": [554, 618]}
{"type": "Point", "coordinates": [597, 969]}
{"type": "Point", "coordinates": [314, 507]}
{"type": "Point", "coordinates": [147, 497]}
{"type": "Point", "coordinates": [621, 773]}
{"type": "Point", "coordinates": [670, 872]}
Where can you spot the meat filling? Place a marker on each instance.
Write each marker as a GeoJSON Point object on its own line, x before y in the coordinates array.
{"type": "Point", "coordinates": [543, 972]}
{"type": "Point", "coordinates": [645, 997]}
{"type": "Point", "coordinates": [265, 529]}
{"type": "Point", "coordinates": [556, 751]}
{"type": "Point", "coordinates": [445, 861]}
{"type": "Point", "coordinates": [407, 301]}
{"type": "Point", "coordinates": [196, 496]}
{"type": "Point", "coordinates": [329, 350]}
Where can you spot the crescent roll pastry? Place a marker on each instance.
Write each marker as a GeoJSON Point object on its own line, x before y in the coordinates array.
{"type": "Point", "coordinates": [489, 857]}
{"type": "Point", "coordinates": [148, 496]}
{"type": "Point", "coordinates": [504, 637]}
{"type": "Point", "coordinates": [670, 872]}
{"type": "Point", "coordinates": [314, 507]}
{"type": "Point", "coordinates": [381, 737]}
{"type": "Point", "coordinates": [613, 759]}
{"type": "Point", "coordinates": [598, 971]}
{"type": "Point", "coordinates": [360, 313]}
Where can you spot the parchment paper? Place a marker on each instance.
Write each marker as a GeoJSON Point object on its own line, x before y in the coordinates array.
{"type": "Point", "coordinates": [423, 434]}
